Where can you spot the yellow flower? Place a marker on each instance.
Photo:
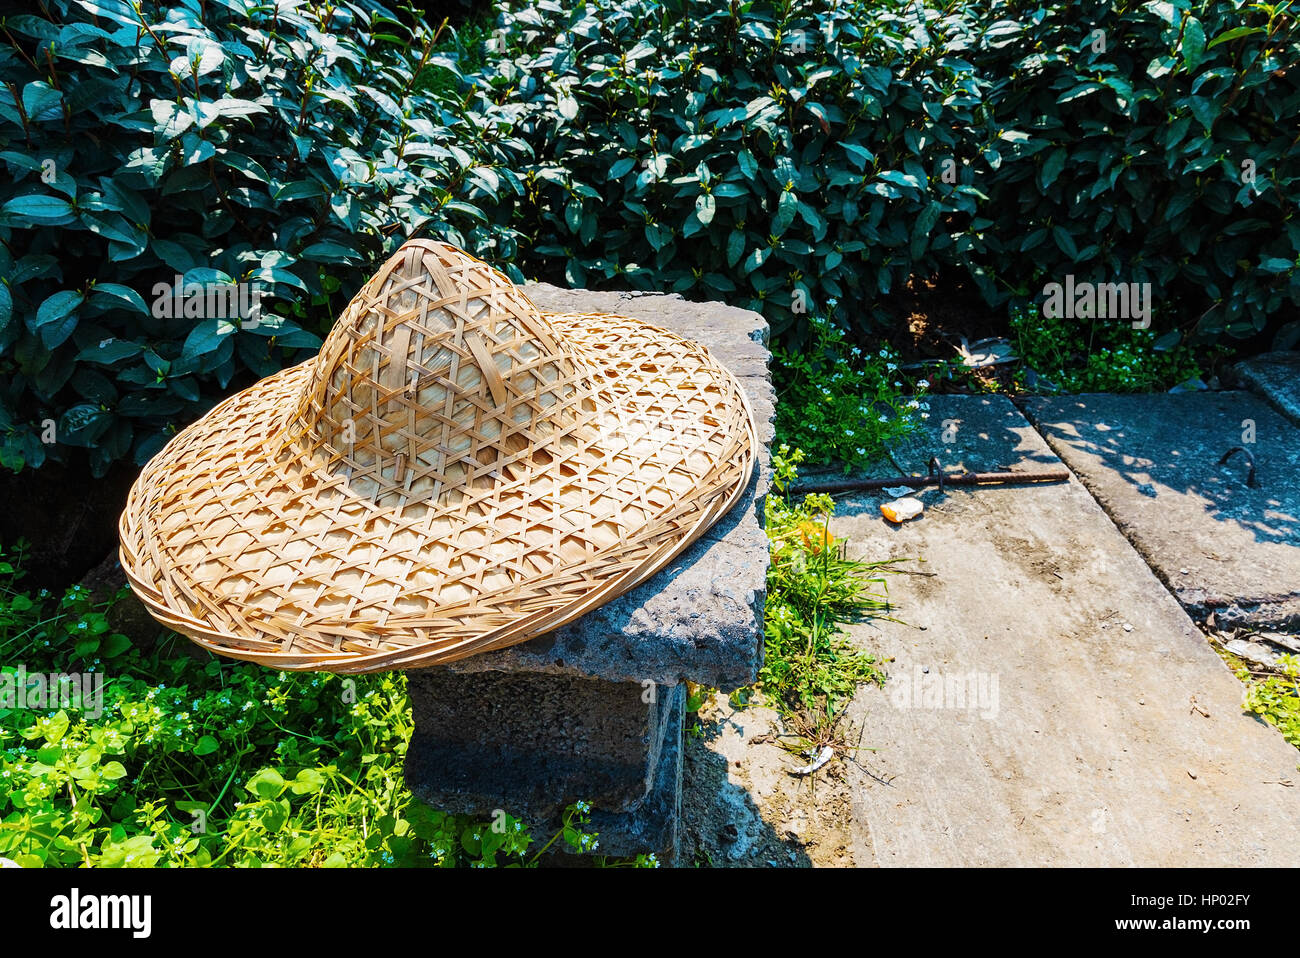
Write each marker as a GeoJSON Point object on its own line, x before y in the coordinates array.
{"type": "Point", "coordinates": [816, 536]}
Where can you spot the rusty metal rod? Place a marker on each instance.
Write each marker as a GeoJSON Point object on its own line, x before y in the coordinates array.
{"type": "Point", "coordinates": [1250, 476]}
{"type": "Point", "coordinates": [935, 478]}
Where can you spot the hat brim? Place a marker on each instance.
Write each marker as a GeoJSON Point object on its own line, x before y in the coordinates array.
{"type": "Point", "coordinates": [256, 549]}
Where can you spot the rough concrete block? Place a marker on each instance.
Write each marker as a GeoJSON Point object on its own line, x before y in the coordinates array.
{"type": "Point", "coordinates": [1276, 377]}
{"type": "Point", "coordinates": [653, 825]}
{"type": "Point", "coordinates": [531, 744]}
{"type": "Point", "coordinates": [535, 727]}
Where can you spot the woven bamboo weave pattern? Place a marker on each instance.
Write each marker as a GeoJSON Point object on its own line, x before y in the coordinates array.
{"type": "Point", "coordinates": [454, 472]}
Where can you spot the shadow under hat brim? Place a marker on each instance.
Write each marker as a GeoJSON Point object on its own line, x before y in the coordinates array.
{"type": "Point", "coordinates": [236, 539]}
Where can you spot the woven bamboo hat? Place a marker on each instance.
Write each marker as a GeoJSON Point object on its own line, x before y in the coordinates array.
{"type": "Point", "coordinates": [455, 471]}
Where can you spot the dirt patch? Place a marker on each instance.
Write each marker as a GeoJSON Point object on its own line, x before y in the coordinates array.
{"type": "Point", "coordinates": [934, 313]}
{"type": "Point", "coordinates": [68, 517]}
{"type": "Point", "coordinates": [743, 807]}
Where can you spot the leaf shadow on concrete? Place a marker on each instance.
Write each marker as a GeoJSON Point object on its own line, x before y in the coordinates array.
{"type": "Point", "coordinates": [1153, 464]}
{"type": "Point", "coordinates": [979, 434]}
{"type": "Point", "coordinates": [1168, 446]}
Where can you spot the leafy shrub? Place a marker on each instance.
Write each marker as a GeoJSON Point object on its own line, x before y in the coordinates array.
{"type": "Point", "coordinates": [1083, 356]}
{"type": "Point", "coordinates": [770, 153]}
{"type": "Point", "coordinates": [1161, 152]}
{"type": "Point", "coordinates": [836, 404]}
{"type": "Point", "coordinates": [232, 141]}
{"type": "Point", "coordinates": [195, 761]}
{"type": "Point", "coordinates": [724, 151]}
{"type": "Point", "coordinates": [1276, 698]}
{"type": "Point", "coordinates": [779, 154]}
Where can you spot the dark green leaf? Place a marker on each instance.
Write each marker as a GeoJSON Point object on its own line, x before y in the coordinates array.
{"type": "Point", "coordinates": [111, 292]}
{"type": "Point", "coordinates": [40, 209]}
{"type": "Point", "coordinates": [57, 307]}
{"type": "Point", "coordinates": [109, 351]}
{"type": "Point", "coordinates": [1193, 43]}
{"type": "Point", "coordinates": [1233, 34]}
{"type": "Point", "coordinates": [206, 337]}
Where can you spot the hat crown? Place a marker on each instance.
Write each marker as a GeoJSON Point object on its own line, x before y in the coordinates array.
{"type": "Point", "coordinates": [441, 374]}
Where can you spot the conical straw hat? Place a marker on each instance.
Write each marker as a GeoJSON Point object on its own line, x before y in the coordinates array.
{"type": "Point", "coordinates": [455, 471]}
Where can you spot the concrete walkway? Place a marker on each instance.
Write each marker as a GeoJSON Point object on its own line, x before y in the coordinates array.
{"type": "Point", "coordinates": [1049, 701]}
{"type": "Point", "coordinates": [1152, 462]}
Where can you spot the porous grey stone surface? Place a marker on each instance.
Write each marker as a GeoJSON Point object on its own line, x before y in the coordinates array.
{"type": "Point", "coordinates": [1152, 463]}
{"type": "Point", "coordinates": [702, 617]}
{"type": "Point", "coordinates": [1276, 377]}
{"type": "Point", "coordinates": [653, 826]}
{"type": "Point", "coordinates": [531, 744]}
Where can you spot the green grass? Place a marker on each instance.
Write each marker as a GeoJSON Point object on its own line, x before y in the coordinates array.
{"type": "Point", "coordinates": [811, 667]}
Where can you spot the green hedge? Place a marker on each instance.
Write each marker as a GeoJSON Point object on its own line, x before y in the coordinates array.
{"type": "Point", "coordinates": [783, 154]}
{"type": "Point", "coordinates": [230, 141]}
{"type": "Point", "coordinates": [780, 155]}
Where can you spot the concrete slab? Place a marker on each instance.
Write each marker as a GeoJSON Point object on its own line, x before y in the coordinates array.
{"type": "Point", "coordinates": [1049, 702]}
{"type": "Point", "coordinates": [702, 618]}
{"type": "Point", "coordinates": [1151, 461]}
{"type": "Point", "coordinates": [1276, 377]}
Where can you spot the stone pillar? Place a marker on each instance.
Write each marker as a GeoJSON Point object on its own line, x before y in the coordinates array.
{"type": "Point", "coordinates": [531, 744]}
{"type": "Point", "coordinates": [594, 711]}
